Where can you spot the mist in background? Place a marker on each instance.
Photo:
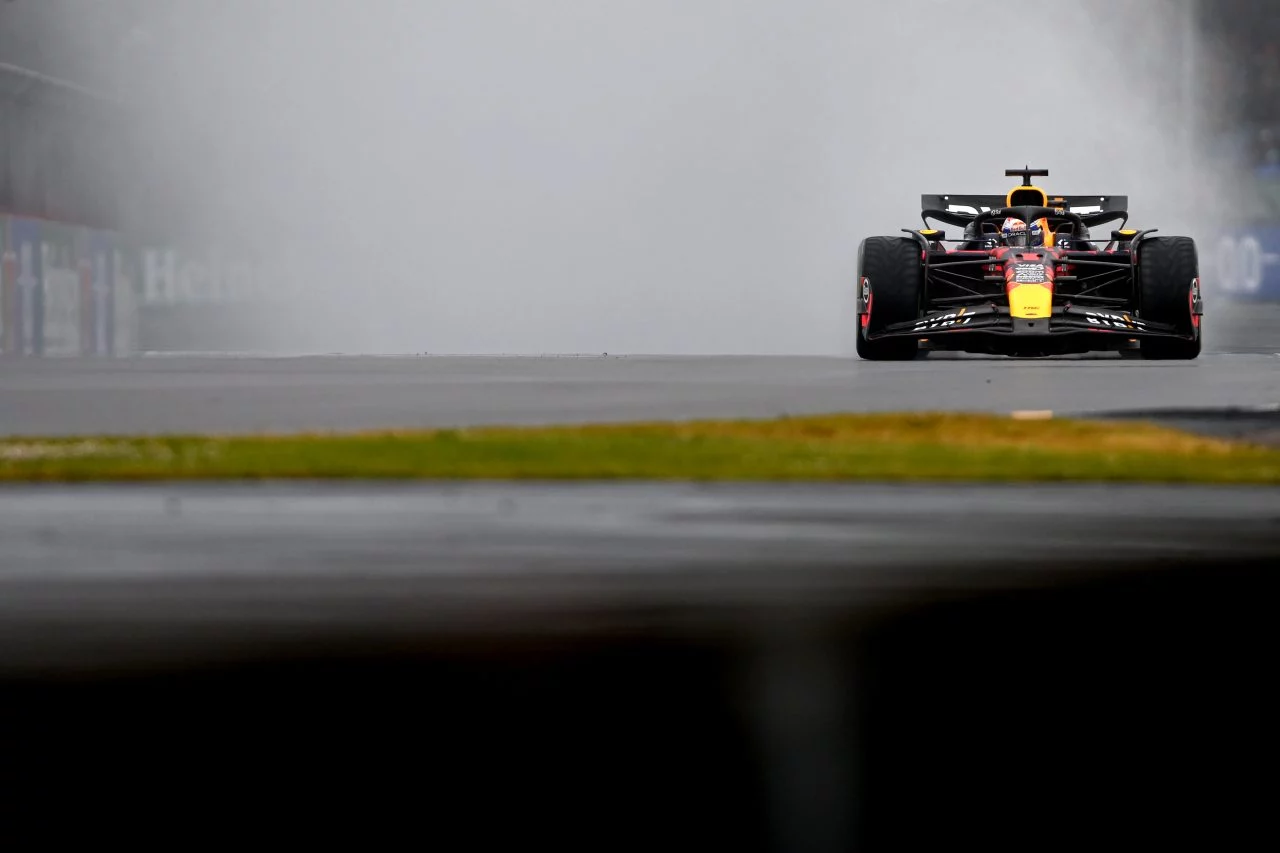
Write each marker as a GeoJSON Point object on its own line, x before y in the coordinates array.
{"type": "Point", "coordinates": [631, 176]}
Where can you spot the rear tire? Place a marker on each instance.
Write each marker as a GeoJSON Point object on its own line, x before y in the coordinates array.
{"type": "Point", "coordinates": [892, 268]}
{"type": "Point", "coordinates": [1168, 280]}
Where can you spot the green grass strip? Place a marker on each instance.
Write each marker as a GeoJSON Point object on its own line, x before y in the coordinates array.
{"type": "Point", "coordinates": [826, 448]}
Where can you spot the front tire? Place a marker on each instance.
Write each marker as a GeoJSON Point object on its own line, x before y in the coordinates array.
{"type": "Point", "coordinates": [1169, 283]}
{"type": "Point", "coordinates": [890, 267]}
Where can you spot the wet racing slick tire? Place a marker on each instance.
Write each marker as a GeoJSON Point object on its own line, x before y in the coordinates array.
{"type": "Point", "coordinates": [891, 267]}
{"type": "Point", "coordinates": [1168, 282]}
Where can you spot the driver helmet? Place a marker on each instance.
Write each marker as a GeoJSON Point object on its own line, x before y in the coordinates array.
{"type": "Point", "coordinates": [1020, 235]}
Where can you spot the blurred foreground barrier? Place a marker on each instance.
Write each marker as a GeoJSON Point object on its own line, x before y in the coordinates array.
{"type": "Point", "coordinates": [1134, 709]}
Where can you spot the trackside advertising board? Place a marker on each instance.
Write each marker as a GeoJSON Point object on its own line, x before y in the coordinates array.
{"type": "Point", "coordinates": [67, 290]}
{"type": "Point", "coordinates": [64, 290]}
{"type": "Point", "coordinates": [1244, 263]}
{"type": "Point", "coordinates": [1241, 262]}
{"type": "Point", "coordinates": [23, 289]}
{"type": "Point", "coordinates": [200, 296]}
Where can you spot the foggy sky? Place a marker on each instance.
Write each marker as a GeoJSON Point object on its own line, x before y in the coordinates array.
{"type": "Point", "coordinates": [630, 176]}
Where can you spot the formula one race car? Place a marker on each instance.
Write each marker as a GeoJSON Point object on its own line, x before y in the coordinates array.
{"type": "Point", "coordinates": [1026, 279]}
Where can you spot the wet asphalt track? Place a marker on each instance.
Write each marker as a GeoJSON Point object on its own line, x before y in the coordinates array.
{"type": "Point", "coordinates": [229, 394]}
{"type": "Point", "coordinates": [192, 393]}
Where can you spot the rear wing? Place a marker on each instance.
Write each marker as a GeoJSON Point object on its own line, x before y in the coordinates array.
{"type": "Point", "coordinates": [976, 204]}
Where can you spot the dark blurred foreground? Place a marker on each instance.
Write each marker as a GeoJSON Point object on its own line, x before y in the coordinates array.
{"type": "Point", "coordinates": [1129, 709]}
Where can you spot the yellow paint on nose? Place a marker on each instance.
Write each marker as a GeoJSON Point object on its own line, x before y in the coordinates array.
{"type": "Point", "coordinates": [1030, 301]}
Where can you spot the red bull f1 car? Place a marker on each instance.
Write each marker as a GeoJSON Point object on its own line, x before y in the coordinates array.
{"type": "Point", "coordinates": [1026, 278]}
